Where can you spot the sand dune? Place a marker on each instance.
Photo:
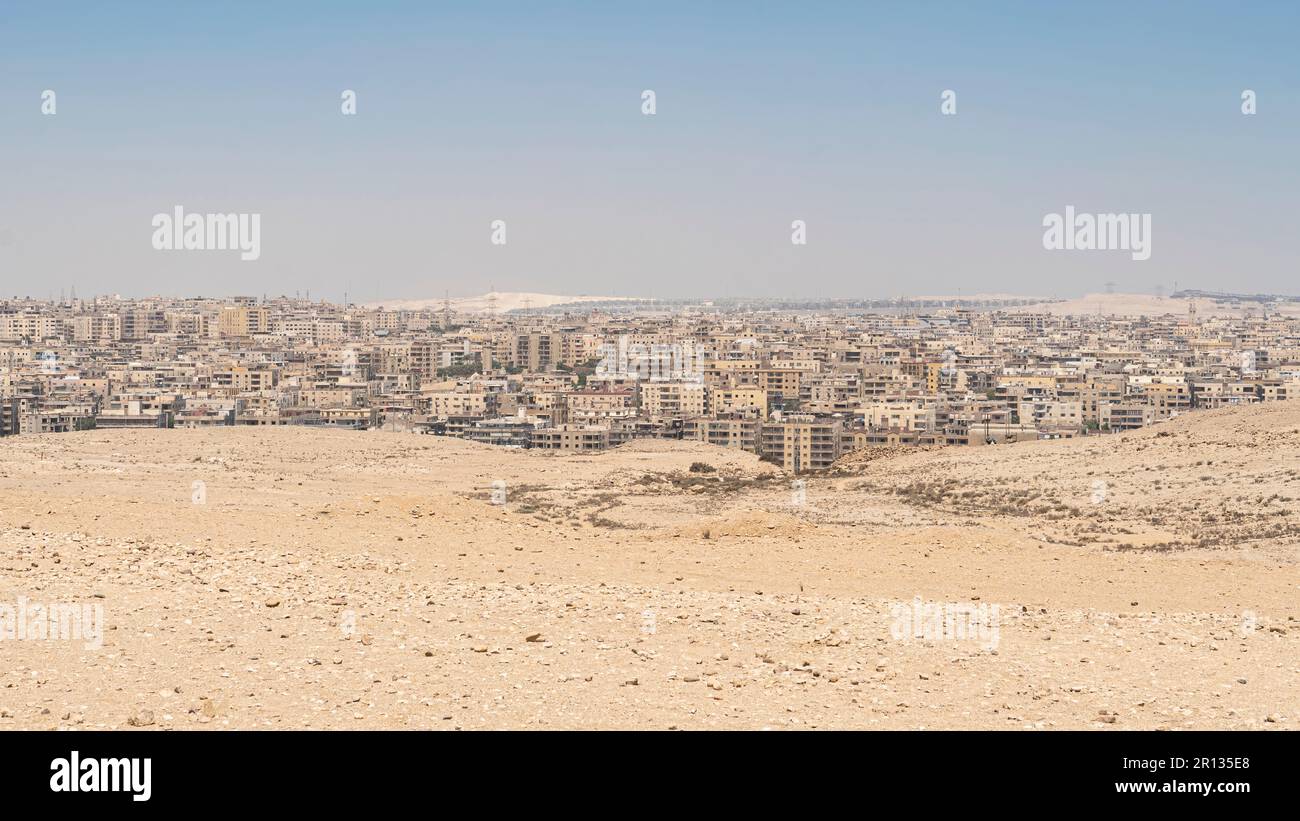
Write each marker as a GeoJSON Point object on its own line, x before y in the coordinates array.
{"type": "Point", "coordinates": [492, 302]}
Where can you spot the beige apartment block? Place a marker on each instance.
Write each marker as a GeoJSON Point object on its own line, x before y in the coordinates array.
{"type": "Point", "coordinates": [830, 393]}
{"type": "Point", "coordinates": [55, 421]}
{"type": "Point", "coordinates": [533, 351]}
{"type": "Point", "coordinates": [1168, 398]}
{"type": "Point", "coordinates": [350, 417]}
{"type": "Point", "coordinates": [443, 404]}
{"type": "Point", "coordinates": [1280, 390]}
{"type": "Point", "coordinates": [10, 414]}
{"type": "Point", "coordinates": [422, 355]}
{"type": "Point", "coordinates": [327, 331]}
{"type": "Point", "coordinates": [590, 406]}
{"type": "Point", "coordinates": [185, 323]}
{"type": "Point", "coordinates": [140, 411]}
{"type": "Point", "coordinates": [780, 383]}
{"type": "Point", "coordinates": [1093, 394]}
{"type": "Point", "coordinates": [296, 328]}
{"type": "Point", "coordinates": [577, 348]}
{"type": "Point", "coordinates": [903, 416]}
{"type": "Point", "coordinates": [723, 401]}
{"type": "Point", "coordinates": [208, 413]}
{"type": "Point", "coordinates": [673, 400]}
{"type": "Point", "coordinates": [455, 352]}
{"type": "Point", "coordinates": [1031, 384]}
{"type": "Point", "coordinates": [101, 329]}
{"type": "Point", "coordinates": [1121, 416]}
{"type": "Point", "coordinates": [1051, 413]}
{"type": "Point", "coordinates": [537, 350]}
{"type": "Point", "coordinates": [736, 432]}
{"type": "Point", "coordinates": [331, 397]}
{"type": "Point", "coordinates": [572, 438]}
{"type": "Point", "coordinates": [732, 372]}
{"type": "Point", "coordinates": [139, 323]}
{"type": "Point", "coordinates": [800, 446]}
{"type": "Point", "coordinates": [35, 327]}
{"type": "Point", "coordinates": [243, 320]}
{"type": "Point", "coordinates": [891, 382]}
{"type": "Point", "coordinates": [241, 378]}
{"type": "Point", "coordinates": [934, 372]}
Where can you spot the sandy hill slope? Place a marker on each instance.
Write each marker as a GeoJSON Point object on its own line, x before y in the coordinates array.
{"type": "Point", "coordinates": [308, 578]}
{"type": "Point", "coordinates": [1217, 480]}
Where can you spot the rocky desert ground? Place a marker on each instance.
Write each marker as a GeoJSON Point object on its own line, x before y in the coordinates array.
{"type": "Point", "coordinates": [294, 578]}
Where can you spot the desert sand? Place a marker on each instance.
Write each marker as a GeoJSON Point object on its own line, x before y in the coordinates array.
{"type": "Point", "coordinates": [336, 579]}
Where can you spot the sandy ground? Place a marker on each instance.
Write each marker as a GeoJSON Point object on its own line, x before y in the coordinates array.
{"type": "Point", "coordinates": [368, 580]}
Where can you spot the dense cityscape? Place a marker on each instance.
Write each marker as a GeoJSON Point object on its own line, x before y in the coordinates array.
{"type": "Point", "coordinates": [798, 388]}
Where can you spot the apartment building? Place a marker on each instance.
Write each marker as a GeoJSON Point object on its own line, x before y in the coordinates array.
{"type": "Point", "coordinates": [802, 445]}
{"type": "Point", "coordinates": [243, 321]}
{"type": "Point", "coordinates": [140, 410]}
{"type": "Point", "coordinates": [898, 416]}
{"type": "Point", "coordinates": [575, 438]}
{"type": "Point", "coordinates": [725, 401]}
{"type": "Point", "coordinates": [460, 402]}
{"type": "Point", "coordinates": [98, 329]}
{"type": "Point", "coordinates": [507, 431]}
{"type": "Point", "coordinates": [593, 406]}
{"type": "Point", "coordinates": [673, 400]}
{"type": "Point", "coordinates": [1122, 416]}
{"type": "Point", "coordinates": [9, 415]}
{"type": "Point", "coordinates": [238, 379]}
{"type": "Point", "coordinates": [728, 432]}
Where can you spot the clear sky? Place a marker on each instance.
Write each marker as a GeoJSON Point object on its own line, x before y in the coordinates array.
{"type": "Point", "coordinates": [531, 113]}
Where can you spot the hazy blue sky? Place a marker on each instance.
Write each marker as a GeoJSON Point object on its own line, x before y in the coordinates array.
{"type": "Point", "coordinates": [531, 113]}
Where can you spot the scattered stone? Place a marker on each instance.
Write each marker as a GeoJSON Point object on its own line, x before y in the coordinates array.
{"type": "Point", "coordinates": [144, 718]}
